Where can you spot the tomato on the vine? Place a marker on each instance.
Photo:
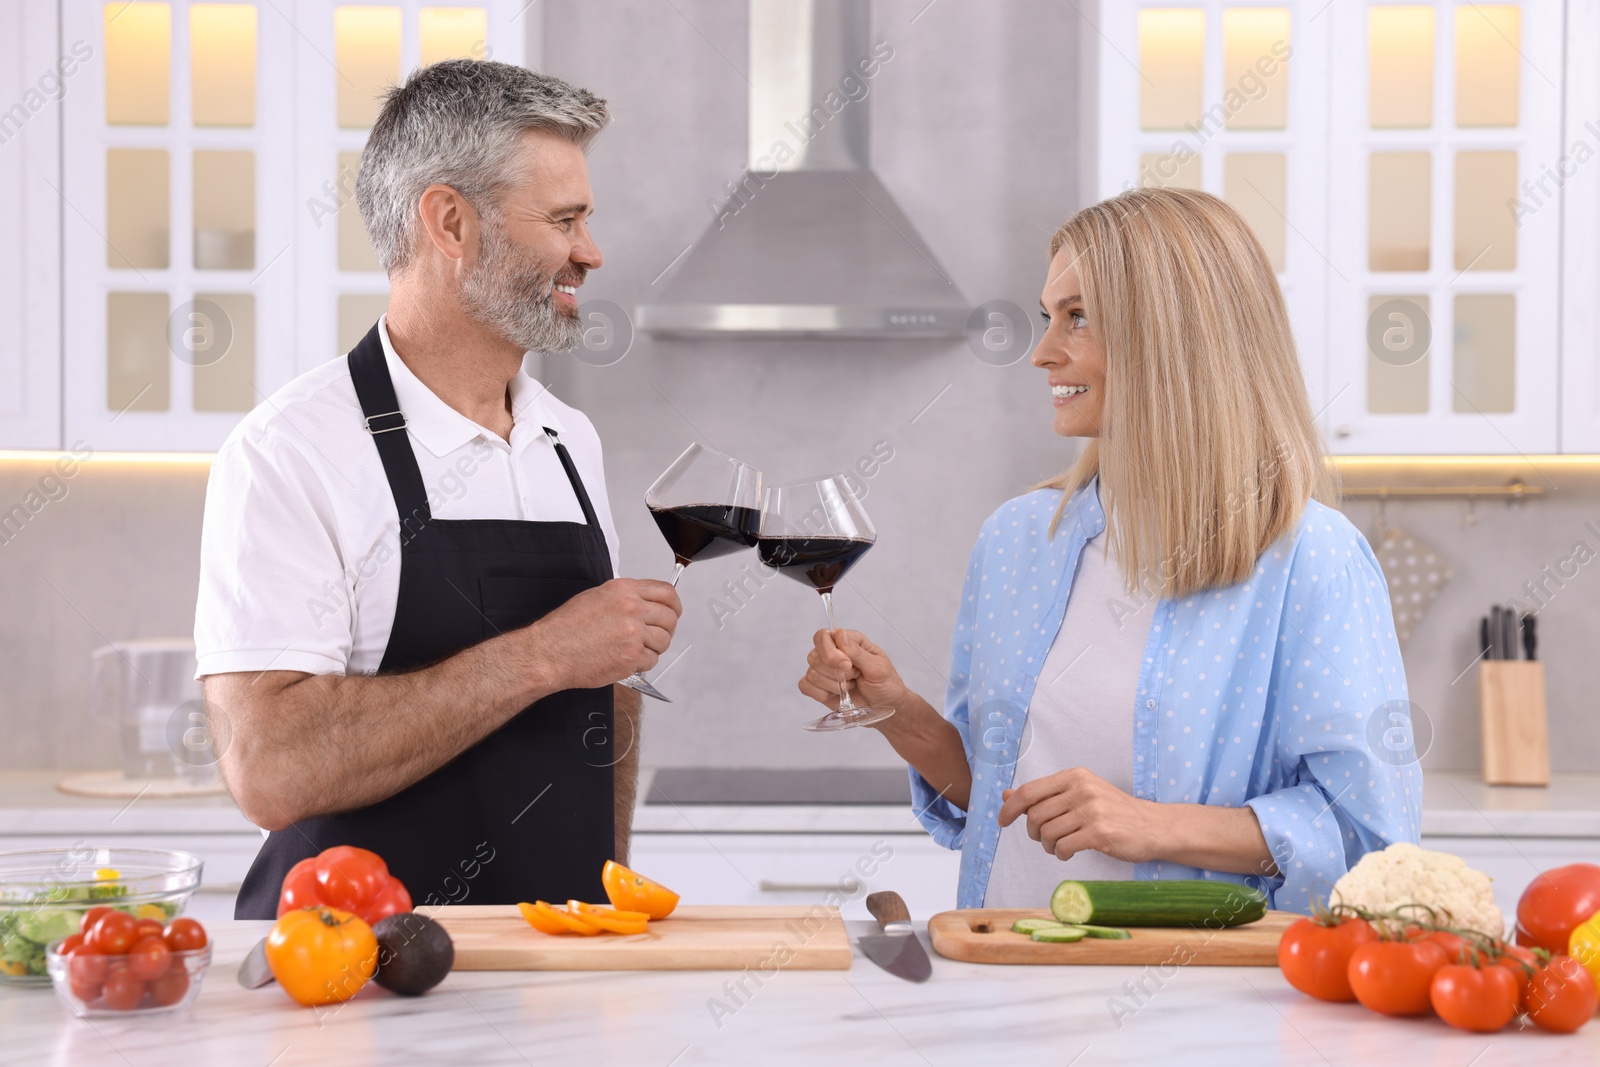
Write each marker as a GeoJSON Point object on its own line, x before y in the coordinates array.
{"type": "Point", "coordinates": [1314, 956]}
{"type": "Point", "coordinates": [1395, 977]}
{"type": "Point", "coordinates": [1561, 996]}
{"type": "Point", "coordinates": [1480, 999]}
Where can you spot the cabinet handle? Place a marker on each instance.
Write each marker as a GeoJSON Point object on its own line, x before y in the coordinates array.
{"type": "Point", "coordinates": [797, 887]}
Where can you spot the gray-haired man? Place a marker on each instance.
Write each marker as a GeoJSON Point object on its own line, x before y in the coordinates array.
{"type": "Point", "coordinates": [408, 620]}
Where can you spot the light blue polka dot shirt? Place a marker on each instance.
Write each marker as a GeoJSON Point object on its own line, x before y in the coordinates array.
{"type": "Point", "coordinates": [1284, 692]}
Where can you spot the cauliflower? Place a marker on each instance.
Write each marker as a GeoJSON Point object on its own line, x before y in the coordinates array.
{"type": "Point", "coordinates": [1406, 874]}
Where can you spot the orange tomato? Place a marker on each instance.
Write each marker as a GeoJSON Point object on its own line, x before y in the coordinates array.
{"type": "Point", "coordinates": [634, 892]}
{"type": "Point", "coordinates": [610, 919]}
{"type": "Point", "coordinates": [321, 955]}
{"type": "Point", "coordinates": [550, 919]}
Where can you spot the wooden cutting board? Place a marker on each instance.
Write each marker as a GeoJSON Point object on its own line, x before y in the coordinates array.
{"type": "Point", "coordinates": [983, 935]}
{"type": "Point", "coordinates": [495, 937]}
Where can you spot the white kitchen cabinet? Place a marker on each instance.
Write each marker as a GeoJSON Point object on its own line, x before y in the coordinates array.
{"type": "Point", "coordinates": [212, 247]}
{"type": "Point", "coordinates": [35, 71]}
{"type": "Point", "coordinates": [719, 868]}
{"type": "Point", "coordinates": [1576, 174]}
{"type": "Point", "coordinates": [1423, 279]}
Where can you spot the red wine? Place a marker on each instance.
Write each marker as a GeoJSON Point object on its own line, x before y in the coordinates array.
{"type": "Point", "coordinates": [705, 531]}
{"type": "Point", "coordinates": [818, 561]}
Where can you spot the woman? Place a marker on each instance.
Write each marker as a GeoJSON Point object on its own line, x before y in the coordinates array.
{"type": "Point", "coordinates": [1167, 658]}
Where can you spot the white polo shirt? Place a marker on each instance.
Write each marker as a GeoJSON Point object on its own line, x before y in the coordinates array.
{"type": "Point", "coordinates": [300, 552]}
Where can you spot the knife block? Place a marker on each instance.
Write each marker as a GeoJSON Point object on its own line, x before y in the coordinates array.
{"type": "Point", "coordinates": [1516, 745]}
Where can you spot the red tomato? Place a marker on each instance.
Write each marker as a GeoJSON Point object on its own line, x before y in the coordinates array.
{"type": "Point", "coordinates": [1522, 964]}
{"type": "Point", "coordinates": [1315, 958]}
{"type": "Point", "coordinates": [113, 934]}
{"type": "Point", "coordinates": [92, 916]}
{"type": "Point", "coordinates": [300, 888]}
{"type": "Point", "coordinates": [349, 877]}
{"type": "Point", "coordinates": [146, 928]}
{"type": "Point", "coordinates": [170, 987]}
{"type": "Point", "coordinates": [68, 943]}
{"type": "Point", "coordinates": [149, 958]}
{"type": "Point", "coordinates": [1456, 948]}
{"type": "Point", "coordinates": [1561, 997]}
{"type": "Point", "coordinates": [1555, 903]}
{"type": "Point", "coordinates": [1395, 977]}
{"type": "Point", "coordinates": [184, 935]}
{"type": "Point", "coordinates": [124, 992]}
{"type": "Point", "coordinates": [1480, 999]}
{"type": "Point", "coordinates": [86, 971]}
{"type": "Point", "coordinates": [392, 900]}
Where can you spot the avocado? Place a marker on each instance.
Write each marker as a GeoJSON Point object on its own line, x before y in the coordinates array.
{"type": "Point", "coordinates": [414, 953]}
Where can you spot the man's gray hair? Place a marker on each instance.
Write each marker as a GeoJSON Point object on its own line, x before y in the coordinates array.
{"type": "Point", "coordinates": [459, 123]}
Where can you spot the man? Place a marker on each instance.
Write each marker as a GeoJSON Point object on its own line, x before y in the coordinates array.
{"type": "Point", "coordinates": [408, 625]}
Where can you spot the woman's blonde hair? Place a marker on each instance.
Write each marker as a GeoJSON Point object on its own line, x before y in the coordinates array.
{"type": "Point", "coordinates": [1208, 450]}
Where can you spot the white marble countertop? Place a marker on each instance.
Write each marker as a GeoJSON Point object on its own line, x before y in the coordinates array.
{"type": "Point", "coordinates": [966, 1015]}
{"type": "Point", "coordinates": [1455, 804]}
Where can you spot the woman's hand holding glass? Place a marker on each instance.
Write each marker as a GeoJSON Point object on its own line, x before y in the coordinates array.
{"type": "Point", "coordinates": [848, 657]}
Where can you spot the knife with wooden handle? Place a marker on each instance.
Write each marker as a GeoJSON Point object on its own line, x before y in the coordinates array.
{"type": "Point", "coordinates": [897, 949]}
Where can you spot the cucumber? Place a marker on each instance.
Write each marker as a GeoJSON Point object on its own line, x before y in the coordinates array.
{"type": "Point", "coordinates": [1109, 933]}
{"type": "Point", "coordinates": [1057, 935]}
{"type": "Point", "coordinates": [1028, 926]}
{"type": "Point", "coordinates": [1192, 902]}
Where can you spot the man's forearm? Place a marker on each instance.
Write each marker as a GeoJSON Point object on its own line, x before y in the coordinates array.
{"type": "Point", "coordinates": [629, 720]}
{"type": "Point", "coordinates": [300, 745]}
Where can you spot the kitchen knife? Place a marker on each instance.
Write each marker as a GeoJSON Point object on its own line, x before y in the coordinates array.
{"type": "Point", "coordinates": [1483, 638]}
{"type": "Point", "coordinates": [1530, 639]}
{"type": "Point", "coordinates": [1496, 633]}
{"type": "Point", "coordinates": [897, 949]}
{"type": "Point", "coordinates": [1508, 619]}
{"type": "Point", "coordinates": [254, 972]}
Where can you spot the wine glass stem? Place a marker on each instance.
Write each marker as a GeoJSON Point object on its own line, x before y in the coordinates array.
{"type": "Point", "coordinates": [845, 704]}
{"type": "Point", "coordinates": [677, 572]}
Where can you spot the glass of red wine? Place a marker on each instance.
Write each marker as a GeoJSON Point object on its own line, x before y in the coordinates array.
{"type": "Point", "coordinates": [706, 505]}
{"type": "Point", "coordinates": [815, 532]}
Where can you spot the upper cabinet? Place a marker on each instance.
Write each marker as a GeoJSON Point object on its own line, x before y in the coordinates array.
{"type": "Point", "coordinates": [35, 70]}
{"type": "Point", "coordinates": [1382, 153]}
{"type": "Point", "coordinates": [211, 242]}
{"type": "Point", "coordinates": [1573, 179]}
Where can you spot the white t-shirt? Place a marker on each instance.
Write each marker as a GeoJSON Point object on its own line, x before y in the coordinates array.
{"type": "Point", "coordinates": [300, 551]}
{"type": "Point", "coordinates": [1081, 715]}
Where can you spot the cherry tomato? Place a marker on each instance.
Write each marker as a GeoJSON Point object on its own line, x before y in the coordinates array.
{"type": "Point", "coordinates": [113, 934]}
{"type": "Point", "coordinates": [1395, 977]}
{"type": "Point", "coordinates": [92, 916]}
{"type": "Point", "coordinates": [170, 987]}
{"type": "Point", "coordinates": [149, 958]}
{"type": "Point", "coordinates": [1561, 997]}
{"type": "Point", "coordinates": [68, 943]}
{"type": "Point", "coordinates": [1522, 964]}
{"type": "Point", "coordinates": [1457, 949]}
{"type": "Point", "coordinates": [1480, 999]}
{"type": "Point", "coordinates": [1556, 902]}
{"type": "Point", "coordinates": [86, 971]}
{"type": "Point", "coordinates": [349, 877]}
{"type": "Point", "coordinates": [146, 928]}
{"type": "Point", "coordinates": [124, 991]}
{"type": "Point", "coordinates": [184, 935]}
{"type": "Point", "coordinates": [1315, 957]}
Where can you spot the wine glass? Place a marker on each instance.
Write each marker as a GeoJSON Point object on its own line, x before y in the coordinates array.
{"type": "Point", "coordinates": [815, 532]}
{"type": "Point", "coordinates": [706, 505]}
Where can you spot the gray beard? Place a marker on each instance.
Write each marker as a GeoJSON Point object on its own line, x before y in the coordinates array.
{"type": "Point", "coordinates": [508, 293]}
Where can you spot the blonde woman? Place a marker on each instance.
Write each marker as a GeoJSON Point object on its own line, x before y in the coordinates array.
{"type": "Point", "coordinates": [1173, 660]}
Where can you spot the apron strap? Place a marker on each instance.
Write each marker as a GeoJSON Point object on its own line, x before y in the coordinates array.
{"type": "Point", "coordinates": [375, 389]}
{"type": "Point", "coordinates": [577, 483]}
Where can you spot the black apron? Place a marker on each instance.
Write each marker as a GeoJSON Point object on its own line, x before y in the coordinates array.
{"type": "Point", "coordinates": [526, 813]}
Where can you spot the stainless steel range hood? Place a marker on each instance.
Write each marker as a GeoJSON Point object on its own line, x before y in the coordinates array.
{"type": "Point", "coordinates": [808, 241]}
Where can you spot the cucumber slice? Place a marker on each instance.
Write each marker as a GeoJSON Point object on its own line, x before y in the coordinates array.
{"type": "Point", "coordinates": [1059, 935]}
{"type": "Point", "coordinates": [1028, 926]}
{"type": "Point", "coordinates": [1109, 933]}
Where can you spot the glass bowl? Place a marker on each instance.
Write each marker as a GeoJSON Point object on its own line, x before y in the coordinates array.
{"type": "Point", "coordinates": [83, 982]}
{"type": "Point", "coordinates": [44, 893]}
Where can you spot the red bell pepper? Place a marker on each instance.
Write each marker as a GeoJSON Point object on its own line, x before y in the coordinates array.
{"type": "Point", "coordinates": [350, 879]}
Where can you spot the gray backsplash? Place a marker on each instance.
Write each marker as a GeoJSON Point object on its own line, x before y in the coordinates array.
{"type": "Point", "coordinates": [975, 131]}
